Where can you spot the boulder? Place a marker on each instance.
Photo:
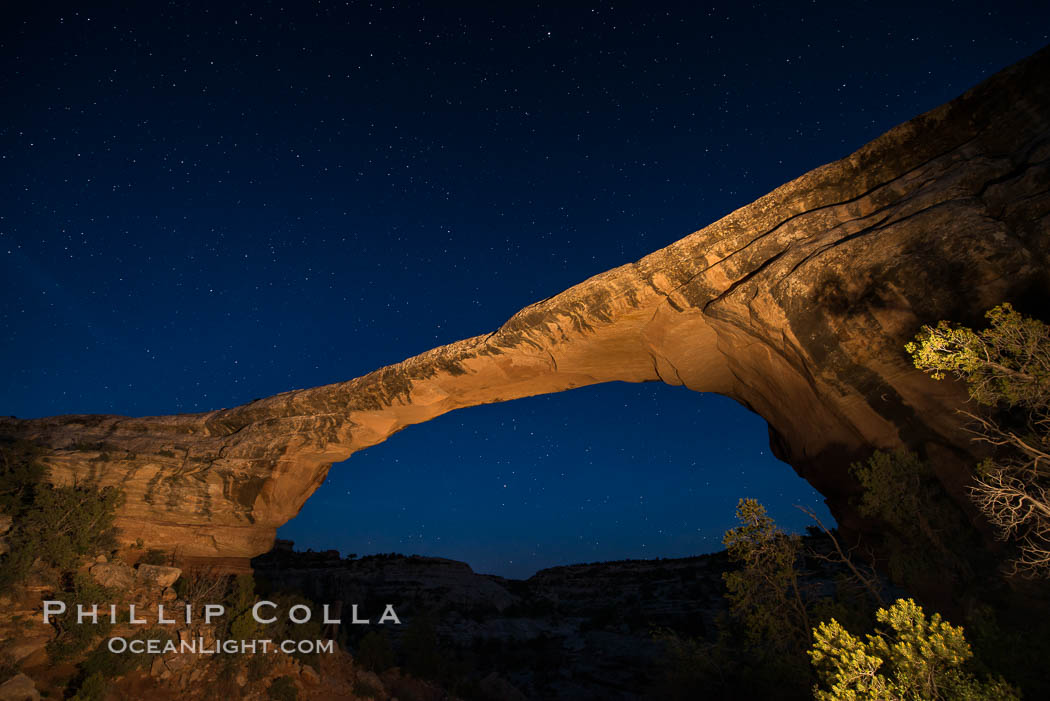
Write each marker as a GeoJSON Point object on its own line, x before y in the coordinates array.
{"type": "Point", "coordinates": [19, 688]}
{"type": "Point", "coordinates": [158, 575]}
{"type": "Point", "coordinates": [309, 675]}
{"type": "Point", "coordinates": [26, 644]}
{"type": "Point", "coordinates": [116, 575]}
{"type": "Point", "coordinates": [159, 668]}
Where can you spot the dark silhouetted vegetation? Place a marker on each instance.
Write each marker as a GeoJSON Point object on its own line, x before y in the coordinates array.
{"type": "Point", "coordinates": [374, 652]}
{"type": "Point", "coordinates": [283, 689]}
{"type": "Point", "coordinates": [55, 525]}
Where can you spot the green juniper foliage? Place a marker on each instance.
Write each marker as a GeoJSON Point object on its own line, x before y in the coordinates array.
{"type": "Point", "coordinates": [57, 525]}
{"type": "Point", "coordinates": [283, 689]}
{"type": "Point", "coordinates": [908, 657]}
{"type": "Point", "coordinates": [1006, 368]}
{"type": "Point", "coordinates": [93, 689]}
{"type": "Point", "coordinates": [109, 665]}
{"type": "Point", "coordinates": [20, 473]}
{"type": "Point", "coordinates": [1007, 362]}
{"type": "Point", "coordinates": [239, 603]}
{"type": "Point", "coordinates": [765, 593]}
{"type": "Point", "coordinates": [928, 537]}
{"type": "Point", "coordinates": [781, 583]}
{"type": "Point", "coordinates": [72, 638]}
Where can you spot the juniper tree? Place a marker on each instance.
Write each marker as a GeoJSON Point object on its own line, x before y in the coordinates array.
{"type": "Point", "coordinates": [1006, 368]}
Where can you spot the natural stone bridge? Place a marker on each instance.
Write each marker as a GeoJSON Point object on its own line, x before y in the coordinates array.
{"type": "Point", "coordinates": [797, 306]}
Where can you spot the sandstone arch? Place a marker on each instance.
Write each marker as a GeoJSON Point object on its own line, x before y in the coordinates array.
{"type": "Point", "coordinates": [796, 305]}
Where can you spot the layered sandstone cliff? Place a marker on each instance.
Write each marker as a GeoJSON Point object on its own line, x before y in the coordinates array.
{"type": "Point", "coordinates": [796, 305]}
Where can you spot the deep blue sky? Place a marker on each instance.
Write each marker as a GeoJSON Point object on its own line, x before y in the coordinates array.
{"type": "Point", "coordinates": [204, 203]}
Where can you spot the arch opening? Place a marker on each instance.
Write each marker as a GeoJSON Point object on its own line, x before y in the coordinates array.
{"type": "Point", "coordinates": [606, 472]}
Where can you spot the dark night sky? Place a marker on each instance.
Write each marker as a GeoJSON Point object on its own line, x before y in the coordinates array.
{"type": "Point", "coordinates": [207, 203]}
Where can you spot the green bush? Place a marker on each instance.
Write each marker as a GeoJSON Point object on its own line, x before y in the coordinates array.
{"type": "Point", "coordinates": [765, 591]}
{"type": "Point", "coordinates": [57, 525]}
{"type": "Point", "coordinates": [1006, 368]}
{"type": "Point", "coordinates": [778, 584]}
{"type": "Point", "coordinates": [763, 639]}
{"type": "Point", "coordinates": [93, 689]}
{"type": "Point", "coordinates": [1007, 362]}
{"type": "Point", "coordinates": [21, 472]}
{"type": "Point", "coordinates": [112, 665]}
{"type": "Point", "coordinates": [284, 629]}
{"type": "Point", "coordinates": [929, 540]}
{"type": "Point", "coordinates": [239, 602]}
{"type": "Point", "coordinates": [73, 638]}
{"type": "Point", "coordinates": [909, 657]}
{"type": "Point", "coordinates": [283, 689]}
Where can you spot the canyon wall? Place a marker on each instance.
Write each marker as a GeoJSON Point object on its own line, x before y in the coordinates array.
{"type": "Point", "coordinates": [797, 305]}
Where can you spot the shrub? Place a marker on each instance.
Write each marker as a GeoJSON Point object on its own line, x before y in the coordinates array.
{"type": "Point", "coordinates": [765, 592]}
{"type": "Point", "coordinates": [202, 586]}
{"type": "Point", "coordinates": [691, 669]}
{"type": "Point", "coordinates": [909, 657]}
{"type": "Point", "coordinates": [1006, 368]}
{"type": "Point", "coordinates": [283, 689]}
{"type": "Point", "coordinates": [928, 536]}
{"type": "Point", "coordinates": [57, 525]}
{"type": "Point", "coordinates": [1007, 362]}
{"type": "Point", "coordinates": [93, 689]}
{"type": "Point", "coordinates": [773, 594]}
{"type": "Point", "coordinates": [20, 474]}
{"type": "Point", "coordinates": [239, 602]}
{"type": "Point", "coordinates": [73, 638]}
{"type": "Point", "coordinates": [109, 665]}
{"type": "Point", "coordinates": [284, 629]}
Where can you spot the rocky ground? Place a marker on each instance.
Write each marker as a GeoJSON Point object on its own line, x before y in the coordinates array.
{"type": "Point", "coordinates": [29, 669]}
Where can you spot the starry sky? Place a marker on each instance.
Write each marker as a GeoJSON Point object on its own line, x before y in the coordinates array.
{"type": "Point", "coordinates": [205, 203]}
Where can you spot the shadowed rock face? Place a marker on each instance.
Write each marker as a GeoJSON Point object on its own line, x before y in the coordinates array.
{"type": "Point", "coordinates": [797, 306]}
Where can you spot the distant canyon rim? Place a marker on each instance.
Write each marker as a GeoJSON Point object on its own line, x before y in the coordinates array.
{"type": "Point", "coordinates": [797, 305]}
